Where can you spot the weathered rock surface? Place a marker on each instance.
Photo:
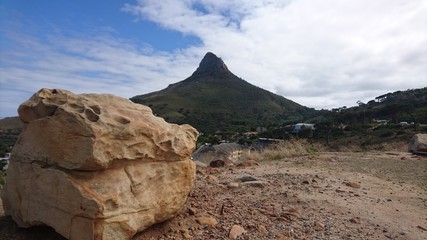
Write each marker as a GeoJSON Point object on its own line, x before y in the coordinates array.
{"type": "Point", "coordinates": [418, 143]}
{"type": "Point", "coordinates": [96, 166]}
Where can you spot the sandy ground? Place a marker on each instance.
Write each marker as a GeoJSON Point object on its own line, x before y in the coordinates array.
{"type": "Point", "coordinates": [323, 196]}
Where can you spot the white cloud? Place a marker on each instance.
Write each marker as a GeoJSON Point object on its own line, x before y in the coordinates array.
{"type": "Point", "coordinates": [99, 64]}
{"type": "Point", "coordinates": [321, 54]}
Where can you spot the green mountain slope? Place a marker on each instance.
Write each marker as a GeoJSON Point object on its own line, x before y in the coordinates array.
{"type": "Point", "coordinates": [407, 106]}
{"type": "Point", "coordinates": [214, 99]}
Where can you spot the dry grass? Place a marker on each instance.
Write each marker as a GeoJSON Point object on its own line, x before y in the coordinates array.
{"type": "Point", "coordinates": [285, 149]}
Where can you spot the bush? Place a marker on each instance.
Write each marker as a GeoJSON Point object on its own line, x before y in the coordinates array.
{"type": "Point", "coordinates": [2, 178]}
{"type": "Point", "coordinates": [284, 149]}
{"type": "Point", "coordinates": [387, 134]}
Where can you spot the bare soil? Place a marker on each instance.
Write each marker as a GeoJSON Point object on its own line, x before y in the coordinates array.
{"type": "Point", "coordinates": [367, 195]}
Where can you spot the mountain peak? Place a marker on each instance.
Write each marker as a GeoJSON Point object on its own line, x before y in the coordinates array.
{"type": "Point", "coordinates": [211, 64]}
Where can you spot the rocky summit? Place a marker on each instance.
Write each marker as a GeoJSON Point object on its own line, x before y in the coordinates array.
{"type": "Point", "coordinates": [211, 65]}
{"type": "Point", "coordinates": [96, 166]}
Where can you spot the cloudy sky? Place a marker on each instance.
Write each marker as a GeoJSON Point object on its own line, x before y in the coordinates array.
{"type": "Point", "coordinates": [321, 54]}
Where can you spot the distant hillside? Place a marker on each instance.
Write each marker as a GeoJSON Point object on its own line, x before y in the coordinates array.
{"type": "Point", "coordinates": [10, 128]}
{"type": "Point", "coordinates": [399, 106]}
{"type": "Point", "coordinates": [214, 99]}
{"type": "Point", "coordinates": [11, 123]}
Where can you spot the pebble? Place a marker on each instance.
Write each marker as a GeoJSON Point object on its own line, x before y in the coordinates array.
{"type": "Point", "coordinates": [207, 221]}
{"type": "Point", "coordinates": [355, 220]}
{"type": "Point", "coordinates": [260, 184]}
{"type": "Point", "coordinates": [233, 185]}
{"type": "Point", "coordinates": [236, 231]}
{"type": "Point", "coordinates": [352, 184]}
{"type": "Point", "coordinates": [319, 226]}
{"type": "Point", "coordinates": [192, 211]}
{"type": "Point", "coordinates": [248, 179]}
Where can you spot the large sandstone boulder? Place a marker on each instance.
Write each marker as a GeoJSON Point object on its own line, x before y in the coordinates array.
{"type": "Point", "coordinates": [96, 166]}
{"type": "Point", "coordinates": [418, 143]}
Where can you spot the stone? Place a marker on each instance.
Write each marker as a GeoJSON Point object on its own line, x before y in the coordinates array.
{"type": "Point", "coordinates": [352, 184]}
{"type": "Point", "coordinates": [318, 226]}
{"type": "Point", "coordinates": [185, 233]}
{"type": "Point", "coordinates": [96, 166]}
{"type": "Point", "coordinates": [355, 220]}
{"type": "Point", "coordinates": [217, 163]}
{"type": "Point", "coordinates": [418, 143]}
{"type": "Point", "coordinates": [233, 185]}
{"type": "Point", "coordinates": [260, 184]}
{"type": "Point", "coordinates": [248, 179]}
{"type": "Point", "coordinates": [236, 231]}
{"type": "Point", "coordinates": [293, 212]}
{"type": "Point", "coordinates": [212, 179]}
{"type": "Point", "coordinates": [192, 211]}
{"type": "Point", "coordinates": [262, 230]}
{"type": "Point", "coordinates": [210, 221]}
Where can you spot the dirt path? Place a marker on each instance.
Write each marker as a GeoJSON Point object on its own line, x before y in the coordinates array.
{"type": "Point", "coordinates": [326, 196]}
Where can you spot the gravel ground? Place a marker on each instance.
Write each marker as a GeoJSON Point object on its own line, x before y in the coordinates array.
{"type": "Point", "coordinates": [323, 196]}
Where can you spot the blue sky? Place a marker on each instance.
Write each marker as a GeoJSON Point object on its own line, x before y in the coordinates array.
{"type": "Point", "coordinates": [321, 54]}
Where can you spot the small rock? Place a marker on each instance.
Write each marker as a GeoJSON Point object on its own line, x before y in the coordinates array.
{"type": "Point", "coordinates": [192, 211]}
{"type": "Point", "coordinates": [233, 185]}
{"type": "Point", "coordinates": [339, 190]}
{"type": "Point", "coordinates": [217, 163]}
{"type": "Point", "coordinates": [236, 231]}
{"type": "Point", "coordinates": [422, 228]}
{"type": "Point", "coordinates": [305, 182]}
{"type": "Point", "coordinates": [185, 234]}
{"type": "Point", "coordinates": [207, 221]}
{"type": "Point", "coordinates": [319, 226]}
{"type": "Point", "coordinates": [248, 179]}
{"type": "Point", "coordinates": [259, 184]}
{"type": "Point", "coordinates": [355, 220]}
{"type": "Point", "coordinates": [352, 184]}
{"type": "Point", "coordinates": [212, 179]}
{"type": "Point", "coordinates": [293, 212]}
{"type": "Point", "coordinates": [262, 230]}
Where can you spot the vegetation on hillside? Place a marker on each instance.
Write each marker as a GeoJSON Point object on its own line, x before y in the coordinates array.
{"type": "Point", "coordinates": [214, 100]}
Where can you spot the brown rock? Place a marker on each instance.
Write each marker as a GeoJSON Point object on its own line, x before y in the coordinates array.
{"type": "Point", "coordinates": [260, 184]}
{"type": "Point", "coordinates": [418, 143]}
{"type": "Point", "coordinates": [207, 221]}
{"type": "Point", "coordinates": [318, 226]}
{"type": "Point", "coordinates": [212, 179]}
{"type": "Point", "coordinates": [233, 185]}
{"type": "Point", "coordinates": [355, 220]}
{"type": "Point", "coordinates": [293, 212]}
{"type": "Point", "coordinates": [352, 184]}
{"type": "Point", "coordinates": [96, 166]}
{"type": "Point", "coordinates": [192, 211]}
{"type": "Point", "coordinates": [262, 230]}
{"type": "Point", "coordinates": [185, 234]}
{"type": "Point", "coordinates": [217, 163]}
{"type": "Point", "coordinates": [236, 231]}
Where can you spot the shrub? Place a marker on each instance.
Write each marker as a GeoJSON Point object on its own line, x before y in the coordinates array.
{"type": "Point", "coordinates": [2, 178]}
{"type": "Point", "coordinates": [284, 149]}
